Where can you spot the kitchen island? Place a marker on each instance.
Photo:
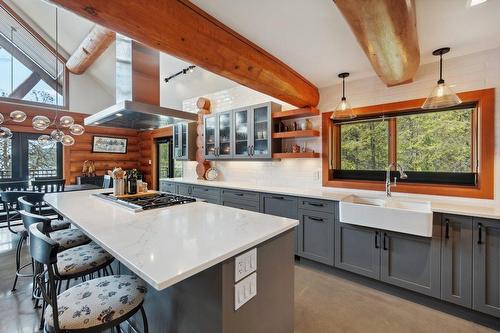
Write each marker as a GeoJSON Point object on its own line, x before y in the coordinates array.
{"type": "Point", "coordinates": [187, 252]}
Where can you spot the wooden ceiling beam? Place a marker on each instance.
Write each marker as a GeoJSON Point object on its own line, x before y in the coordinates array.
{"type": "Point", "coordinates": [387, 32]}
{"type": "Point", "coordinates": [91, 48]}
{"type": "Point", "coordinates": [181, 29]}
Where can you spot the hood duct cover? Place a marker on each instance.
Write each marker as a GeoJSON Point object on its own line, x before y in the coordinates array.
{"type": "Point", "coordinates": [137, 92]}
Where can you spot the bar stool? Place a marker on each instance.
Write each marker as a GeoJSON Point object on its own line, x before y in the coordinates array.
{"type": "Point", "coordinates": [67, 238]}
{"type": "Point", "coordinates": [91, 306]}
{"type": "Point", "coordinates": [32, 202]}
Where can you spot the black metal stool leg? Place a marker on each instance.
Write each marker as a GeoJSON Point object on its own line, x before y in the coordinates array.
{"type": "Point", "coordinates": [144, 320]}
{"type": "Point", "coordinates": [18, 259]}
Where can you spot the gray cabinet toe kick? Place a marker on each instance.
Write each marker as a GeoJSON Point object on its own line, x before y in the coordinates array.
{"type": "Point", "coordinates": [459, 264]}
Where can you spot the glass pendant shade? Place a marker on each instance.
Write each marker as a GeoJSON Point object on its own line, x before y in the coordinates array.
{"type": "Point", "coordinates": [45, 140]}
{"type": "Point", "coordinates": [76, 129]}
{"type": "Point", "coordinates": [441, 97]}
{"type": "Point", "coordinates": [40, 123]}
{"type": "Point", "coordinates": [18, 116]}
{"type": "Point", "coordinates": [5, 133]}
{"type": "Point", "coordinates": [1, 118]}
{"type": "Point", "coordinates": [57, 135]}
{"type": "Point", "coordinates": [67, 140]}
{"type": "Point", "coordinates": [66, 121]}
{"type": "Point", "coordinates": [343, 111]}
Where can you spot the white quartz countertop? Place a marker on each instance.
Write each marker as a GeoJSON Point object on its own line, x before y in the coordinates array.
{"type": "Point", "coordinates": [449, 205]}
{"type": "Point", "coordinates": [167, 245]}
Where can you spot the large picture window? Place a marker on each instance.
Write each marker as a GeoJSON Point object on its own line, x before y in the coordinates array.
{"type": "Point", "coordinates": [23, 158]}
{"type": "Point", "coordinates": [432, 147]}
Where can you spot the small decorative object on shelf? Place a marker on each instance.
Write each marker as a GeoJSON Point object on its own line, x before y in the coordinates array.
{"type": "Point", "coordinates": [295, 148]}
{"type": "Point", "coordinates": [88, 169]}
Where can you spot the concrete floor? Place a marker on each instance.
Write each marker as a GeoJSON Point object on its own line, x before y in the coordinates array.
{"type": "Point", "coordinates": [324, 302]}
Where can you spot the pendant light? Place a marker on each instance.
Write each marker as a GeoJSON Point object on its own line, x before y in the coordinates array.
{"type": "Point", "coordinates": [441, 96]}
{"type": "Point", "coordinates": [343, 111]}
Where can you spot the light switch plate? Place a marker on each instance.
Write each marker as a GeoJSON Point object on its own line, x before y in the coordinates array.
{"type": "Point", "coordinates": [245, 264]}
{"type": "Point", "coordinates": [245, 290]}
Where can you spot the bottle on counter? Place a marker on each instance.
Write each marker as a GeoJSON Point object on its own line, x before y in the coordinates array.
{"type": "Point", "coordinates": [132, 182]}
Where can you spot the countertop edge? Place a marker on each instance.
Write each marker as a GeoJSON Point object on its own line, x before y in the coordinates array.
{"type": "Point", "coordinates": [437, 206]}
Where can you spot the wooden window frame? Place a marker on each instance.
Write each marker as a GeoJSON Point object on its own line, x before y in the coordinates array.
{"type": "Point", "coordinates": [484, 189]}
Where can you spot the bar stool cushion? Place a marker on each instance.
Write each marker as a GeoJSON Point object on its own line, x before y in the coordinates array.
{"type": "Point", "coordinates": [97, 302]}
{"type": "Point", "coordinates": [69, 238]}
{"type": "Point", "coordinates": [81, 259]}
{"type": "Point", "coordinates": [59, 225]}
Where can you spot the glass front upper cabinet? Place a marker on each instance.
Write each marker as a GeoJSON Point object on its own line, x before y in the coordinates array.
{"type": "Point", "coordinates": [261, 146]}
{"type": "Point", "coordinates": [184, 141]}
{"type": "Point", "coordinates": [224, 147]}
{"type": "Point", "coordinates": [241, 133]}
{"type": "Point", "coordinates": [210, 136]}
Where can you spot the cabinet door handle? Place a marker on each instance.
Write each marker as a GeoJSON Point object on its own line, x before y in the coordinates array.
{"type": "Point", "coordinates": [315, 204]}
{"type": "Point", "coordinates": [239, 194]}
{"type": "Point", "coordinates": [318, 219]}
{"type": "Point", "coordinates": [385, 242]}
{"type": "Point", "coordinates": [252, 149]}
{"type": "Point", "coordinates": [248, 150]}
{"type": "Point", "coordinates": [480, 233]}
{"type": "Point", "coordinates": [377, 246]}
{"type": "Point", "coordinates": [447, 229]}
{"type": "Point", "coordinates": [278, 198]}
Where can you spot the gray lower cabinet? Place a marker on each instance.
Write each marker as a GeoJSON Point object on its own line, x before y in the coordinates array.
{"type": "Point", "coordinates": [184, 189]}
{"type": "Point", "coordinates": [456, 260]}
{"type": "Point", "coordinates": [412, 262]}
{"type": "Point", "coordinates": [357, 249]}
{"type": "Point", "coordinates": [315, 236]}
{"type": "Point", "coordinates": [207, 193]}
{"type": "Point", "coordinates": [281, 205]}
{"type": "Point", "coordinates": [486, 273]}
{"type": "Point", "coordinates": [241, 199]}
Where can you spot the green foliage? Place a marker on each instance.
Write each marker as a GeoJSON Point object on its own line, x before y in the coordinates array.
{"type": "Point", "coordinates": [438, 141]}
{"type": "Point", "coordinates": [432, 142]}
{"type": "Point", "coordinates": [364, 146]}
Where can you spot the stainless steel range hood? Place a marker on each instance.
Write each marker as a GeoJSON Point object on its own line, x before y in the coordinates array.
{"type": "Point", "coordinates": [139, 116]}
{"type": "Point", "coordinates": [137, 92]}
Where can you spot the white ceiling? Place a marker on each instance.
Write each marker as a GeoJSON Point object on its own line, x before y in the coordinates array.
{"type": "Point", "coordinates": [72, 30]}
{"type": "Point", "coordinates": [312, 37]}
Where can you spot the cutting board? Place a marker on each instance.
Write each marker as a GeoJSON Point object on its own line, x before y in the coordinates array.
{"type": "Point", "coordinates": [141, 194]}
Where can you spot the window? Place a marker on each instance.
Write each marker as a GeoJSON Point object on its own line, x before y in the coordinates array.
{"type": "Point", "coordinates": [432, 147]}
{"type": "Point", "coordinates": [28, 64]}
{"type": "Point", "coordinates": [22, 158]}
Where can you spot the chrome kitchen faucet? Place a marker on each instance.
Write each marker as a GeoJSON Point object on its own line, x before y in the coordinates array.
{"type": "Point", "coordinates": [402, 175]}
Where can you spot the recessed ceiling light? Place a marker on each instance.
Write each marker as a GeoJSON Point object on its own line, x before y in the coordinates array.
{"type": "Point", "coordinates": [96, 123]}
{"type": "Point", "coordinates": [119, 114]}
{"type": "Point", "coordinates": [473, 3]}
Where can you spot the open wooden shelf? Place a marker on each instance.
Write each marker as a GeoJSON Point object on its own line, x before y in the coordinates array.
{"type": "Point", "coordinates": [296, 113]}
{"type": "Point", "coordinates": [296, 155]}
{"type": "Point", "coordinates": [295, 134]}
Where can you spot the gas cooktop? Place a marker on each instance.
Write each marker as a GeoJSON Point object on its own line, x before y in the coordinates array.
{"type": "Point", "coordinates": [141, 203]}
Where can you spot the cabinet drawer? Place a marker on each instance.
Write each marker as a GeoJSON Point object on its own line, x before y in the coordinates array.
{"type": "Point", "coordinates": [317, 205]}
{"type": "Point", "coordinates": [279, 205]}
{"type": "Point", "coordinates": [251, 206]}
{"type": "Point", "coordinates": [237, 196]}
{"type": "Point", "coordinates": [207, 193]}
{"type": "Point", "coordinates": [184, 189]}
